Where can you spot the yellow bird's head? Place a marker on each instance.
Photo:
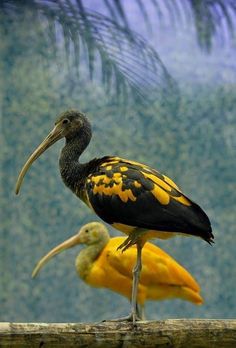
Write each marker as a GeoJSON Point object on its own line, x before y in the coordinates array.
{"type": "Point", "coordinates": [90, 234]}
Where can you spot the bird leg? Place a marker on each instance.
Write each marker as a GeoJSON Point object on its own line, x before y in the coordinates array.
{"type": "Point", "coordinates": [136, 275]}
{"type": "Point", "coordinates": [134, 315]}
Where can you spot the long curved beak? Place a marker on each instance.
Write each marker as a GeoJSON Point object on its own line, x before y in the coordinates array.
{"type": "Point", "coordinates": [69, 243]}
{"type": "Point", "coordinates": [52, 137]}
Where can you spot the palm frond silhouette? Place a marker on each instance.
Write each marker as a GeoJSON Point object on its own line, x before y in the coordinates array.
{"type": "Point", "coordinates": [128, 64]}
{"type": "Point", "coordinates": [212, 18]}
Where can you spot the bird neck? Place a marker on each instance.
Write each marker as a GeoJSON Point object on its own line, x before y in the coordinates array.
{"type": "Point", "coordinates": [88, 256]}
{"type": "Point", "coordinates": [72, 171]}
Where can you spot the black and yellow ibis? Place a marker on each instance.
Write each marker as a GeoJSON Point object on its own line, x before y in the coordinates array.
{"type": "Point", "coordinates": [101, 265]}
{"type": "Point", "coordinates": [131, 196]}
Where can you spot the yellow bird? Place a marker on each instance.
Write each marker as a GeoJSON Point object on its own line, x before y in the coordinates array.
{"type": "Point", "coordinates": [100, 264]}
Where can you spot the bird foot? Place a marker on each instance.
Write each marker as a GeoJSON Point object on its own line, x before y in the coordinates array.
{"type": "Point", "coordinates": [132, 317]}
{"type": "Point", "coordinates": [135, 237]}
{"type": "Point", "coordinates": [126, 244]}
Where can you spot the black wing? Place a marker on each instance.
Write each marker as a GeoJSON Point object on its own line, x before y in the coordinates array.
{"type": "Point", "coordinates": [133, 194]}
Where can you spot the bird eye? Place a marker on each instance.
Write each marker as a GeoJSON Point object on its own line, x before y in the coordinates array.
{"type": "Point", "coordinates": [86, 231]}
{"type": "Point", "coordinates": [65, 121]}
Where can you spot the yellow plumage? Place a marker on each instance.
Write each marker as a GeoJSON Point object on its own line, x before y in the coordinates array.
{"type": "Point", "coordinates": [161, 276]}
{"type": "Point", "coordinates": [100, 264]}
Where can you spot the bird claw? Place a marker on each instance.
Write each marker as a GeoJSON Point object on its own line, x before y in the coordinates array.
{"type": "Point", "coordinates": [132, 317]}
{"type": "Point", "coordinates": [127, 244]}
{"type": "Point", "coordinates": [132, 239]}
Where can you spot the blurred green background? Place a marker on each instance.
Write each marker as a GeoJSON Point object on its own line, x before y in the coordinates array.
{"type": "Point", "coordinates": [189, 134]}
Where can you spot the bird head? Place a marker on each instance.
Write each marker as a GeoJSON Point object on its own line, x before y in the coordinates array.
{"type": "Point", "coordinates": [69, 124]}
{"type": "Point", "coordinates": [92, 233]}
{"type": "Point", "coordinates": [89, 234]}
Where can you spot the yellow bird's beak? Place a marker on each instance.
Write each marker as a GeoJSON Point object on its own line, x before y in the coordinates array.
{"type": "Point", "coordinates": [69, 243]}
{"type": "Point", "coordinates": [53, 136]}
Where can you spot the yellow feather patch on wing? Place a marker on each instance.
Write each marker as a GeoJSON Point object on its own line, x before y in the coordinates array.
{"type": "Point", "coordinates": [182, 200]}
{"type": "Point", "coordinates": [137, 184]}
{"type": "Point", "coordinates": [158, 181]}
{"type": "Point", "coordinates": [161, 187]}
{"type": "Point", "coordinates": [164, 188]}
{"type": "Point", "coordinates": [171, 183]}
{"type": "Point", "coordinates": [117, 175]}
{"type": "Point", "coordinates": [100, 187]}
{"type": "Point", "coordinates": [109, 162]}
{"type": "Point", "coordinates": [126, 195]}
{"type": "Point", "coordinates": [118, 181]}
{"type": "Point", "coordinates": [106, 180]}
{"type": "Point", "coordinates": [96, 179]}
{"type": "Point", "coordinates": [161, 195]}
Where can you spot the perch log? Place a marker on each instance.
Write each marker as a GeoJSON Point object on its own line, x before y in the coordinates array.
{"type": "Point", "coordinates": [176, 333]}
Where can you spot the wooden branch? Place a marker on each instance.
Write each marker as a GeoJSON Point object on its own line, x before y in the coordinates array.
{"type": "Point", "coordinates": [196, 333]}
